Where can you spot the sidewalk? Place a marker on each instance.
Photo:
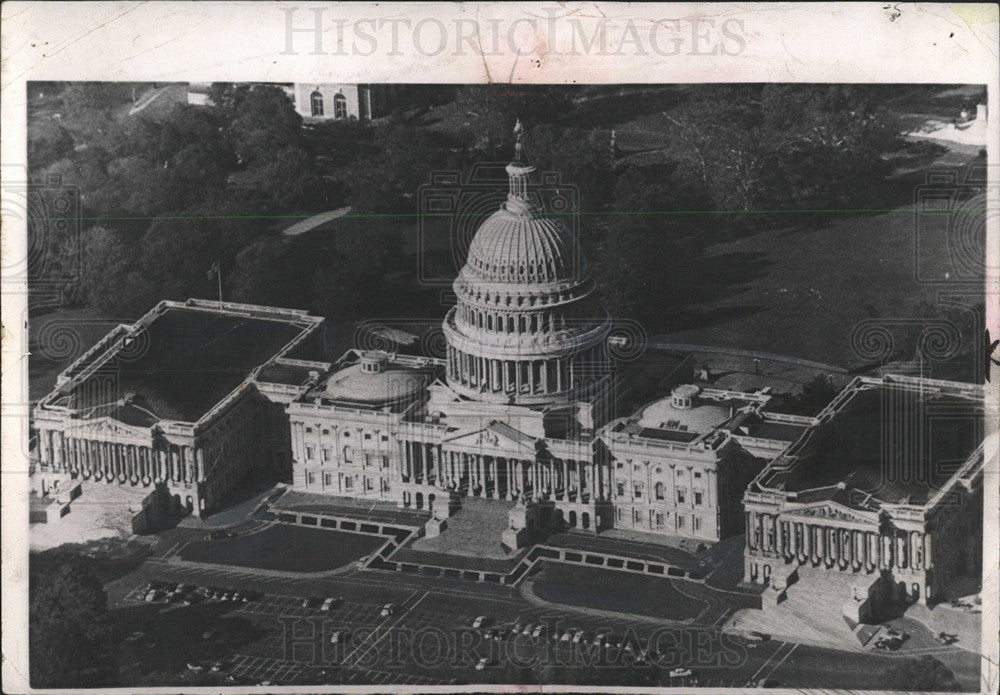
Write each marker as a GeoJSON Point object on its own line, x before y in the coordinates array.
{"type": "Point", "coordinates": [316, 221]}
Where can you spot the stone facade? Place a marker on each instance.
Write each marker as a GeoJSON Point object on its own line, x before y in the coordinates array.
{"type": "Point", "coordinates": [912, 530]}
{"type": "Point", "coordinates": [99, 424]}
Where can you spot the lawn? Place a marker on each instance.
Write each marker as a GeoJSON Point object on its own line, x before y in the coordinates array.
{"type": "Point", "coordinates": [814, 284]}
{"type": "Point", "coordinates": [622, 592]}
{"type": "Point", "coordinates": [285, 548]}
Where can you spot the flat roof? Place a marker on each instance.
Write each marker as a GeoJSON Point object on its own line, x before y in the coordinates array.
{"type": "Point", "coordinates": [181, 364]}
{"type": "Point", "coordinates": [897, 443]}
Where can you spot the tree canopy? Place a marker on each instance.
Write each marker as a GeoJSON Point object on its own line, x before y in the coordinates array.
{"type": "Point", "coordinates": [68, 627]}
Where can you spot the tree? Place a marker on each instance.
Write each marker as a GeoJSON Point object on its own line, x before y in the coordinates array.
{"type": "Point", "coordinates": [584, 159]}
{"type": "Point", "coordinates": [352, 280]}
{"type": "Point", "coordinates": [48, 142]}
{"type": "Point", "coordinates": [388, 182]}
{"type": "Point", "coordinates": [492, 109]}
{"type": "Point", "coordinates": [111, 279]}
{"type": "Point", "coordinates": [273, 271]}
{"type": "Point", "coordinates": [264, 121]}
{"type": "Point", "coordinates": [68, 627]}
{"type": "Point", "coordinates": [922, 674]}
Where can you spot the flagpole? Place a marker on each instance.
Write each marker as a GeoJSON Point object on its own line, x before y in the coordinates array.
{"type": "Point", "coordinates": [218, 275]}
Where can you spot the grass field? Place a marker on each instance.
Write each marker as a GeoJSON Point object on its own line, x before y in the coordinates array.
{"type": "Point", "coordinates": [614, 591]}
{"type": "Point", "coordinates": [285, 548]}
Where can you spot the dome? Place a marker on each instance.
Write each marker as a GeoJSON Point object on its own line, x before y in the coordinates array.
{"type": "Point", "coordinates": [527, 328]}
{"type": "Point", "coordinates": [516, 246]}
{"type": "Point", "coordinates": [360, 384]}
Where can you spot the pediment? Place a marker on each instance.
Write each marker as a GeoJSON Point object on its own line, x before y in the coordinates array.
{"type": "Point", "coordinates": [833, 512]}
{"type": "Point", "coordinates": [494, 439]}
{"type": "Point", "coordinates": [107, 427]}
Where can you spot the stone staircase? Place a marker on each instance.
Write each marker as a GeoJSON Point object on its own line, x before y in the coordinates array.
{"type": "Point", "coordinates": [811, 611]}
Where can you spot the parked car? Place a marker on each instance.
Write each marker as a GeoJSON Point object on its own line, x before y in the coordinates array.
{"type": "Point", "coordinates": [483, 663]}
{"type": "Point", "coordinates": [566, 636]}
{"type": "Point", "coordinates": [209, 633]}
{"type": "Point", "coordinates": [310, 602]}
{"type": "Point", "coordinates": [331, 602]}
{"type": "Point", "coordinates": [338, 636]}
{"type": "Point", "coordinates": [579, 636]}
{"type": "Point", "coordinates": [192, 666]}
{"type": "Point", "coordinates": [388, 609]}
{"type": "Point", "coordinates": [537, 632]}
{"type": "Point", "coordinates": [528, 629]}
{"type": "Point", "coordinates": [135, 636]}
{"type": "Point", "coordinates": [681, 672]}
{"type": "Point", "coordinates": [481, 621]}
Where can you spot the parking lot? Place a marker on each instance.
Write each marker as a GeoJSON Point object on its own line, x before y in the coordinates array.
{"type": "Point", "coordinates": [428, 638]}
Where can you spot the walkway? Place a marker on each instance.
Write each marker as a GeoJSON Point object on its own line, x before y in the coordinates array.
{"type": "Point", "coordinates": [315, 221]}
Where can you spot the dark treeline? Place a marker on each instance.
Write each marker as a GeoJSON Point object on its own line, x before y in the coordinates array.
{"type": "Point", "coordinates": [166, 192]}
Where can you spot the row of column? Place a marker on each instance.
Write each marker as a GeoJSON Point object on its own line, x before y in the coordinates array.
{"type": "Point", "coordinates": [770, 535]}
{"type": "Point", "coordinates": [509, 376]}
{"type": "Point", "coordinates": [501, 477]}
{"type": "Point", "coordinates": [133, 462]}
{"type": "Point", "coordinates": [510, 323]}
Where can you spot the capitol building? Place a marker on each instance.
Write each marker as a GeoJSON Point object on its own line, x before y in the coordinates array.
{"type": "Point", "coordinates": [526, 404]}
{"type": "Point", "coordinates": [528, 410]}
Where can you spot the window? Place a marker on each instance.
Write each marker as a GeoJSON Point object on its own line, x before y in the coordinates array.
{"type": "Point", "coordinates": [326, 431]}
{"type": "Point", "coordinates": [621, 489]}
{"type": "Point", "coordinates": [309, 430]}
{"type": "Point", "coordinates": [659, 491]}
{"type": "Point", "coordinates": [347, 433]}
{"type": "Point", "coordinates": [385, 437]}
{"type": "Point", "coordinates": [310, 478]}
{"type": "Point", "coordinates": [619, 513]}
{"type": "Point", "coordinates": [621, 465]}
{"type": "Point", "coordinates": [347, 454]}
{"type": "Point", "coordinates": [697, 498]}
{"type": "Point", "coordinates": [680, 497]}
{"type": "Point", "coordinates": [348, 483]}
{"type": "Point", "coordinates": [697, 522]}
{"type": "Point", "coordinates": [310, 452]}
{"type": "Point", "coordinates": [326, 454]}
{"type": "Point", "coordinates": [327, 479]}
{"type": "Point", "coordinates": [680, 522]}
{"type": "Point", "coordinates": [340, 106]}
{"type": "Point", "coordinates": [316, 103]}
{"type": "Point", "coordinates": [367, 437]}
{"type": "Point", "coordinates": [659, 520]}
{"type": "Point", "coordinates": [638, 490]}
{"type": "Point", "coordinates": [385, 462]}
{"type": "Point", "coordinates": [697, 475]}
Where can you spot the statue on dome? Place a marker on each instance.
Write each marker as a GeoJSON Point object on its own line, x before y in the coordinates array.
{"type": "Point", "coordinates": [519, 154]}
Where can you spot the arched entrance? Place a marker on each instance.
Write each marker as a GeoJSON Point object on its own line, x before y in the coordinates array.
{"type": "Point", "coordinates": [420, 500]}
{"type": "Point", "coordinates": [586, 520]}
{"type": "Point", "coordinates": [572, 518]}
